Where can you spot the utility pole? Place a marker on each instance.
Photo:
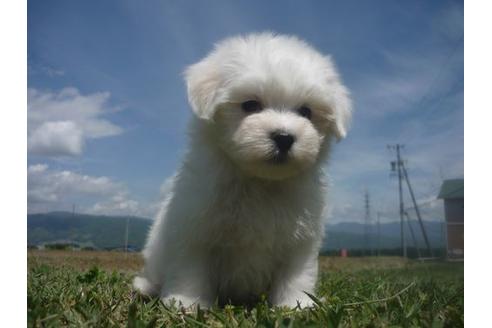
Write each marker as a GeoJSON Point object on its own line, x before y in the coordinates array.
{"type": "Point", "coordinates": [417, 210]}
{"type": "Point", "coordinates": [379, 234]}
{"type": "Point", "coordinates": [126, 237]}
{"type": "Point", "coordinates": [397, 166]}
{"type": "Point", "coordinates": [367, 222]}
{"type": "Point", "coordinates": [413, 235]}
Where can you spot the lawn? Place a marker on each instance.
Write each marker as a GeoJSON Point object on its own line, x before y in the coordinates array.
{"type": "Point", "coordinates": [94, 289]}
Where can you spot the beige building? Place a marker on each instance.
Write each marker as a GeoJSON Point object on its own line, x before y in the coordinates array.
{"type": "Point", "coordinates": [452, 192]}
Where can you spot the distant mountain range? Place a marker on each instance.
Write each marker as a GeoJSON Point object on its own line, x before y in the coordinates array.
{"type": "Point", "coordinates": [351, 235]}
{"type": "Point", "coordinates": [96, 231]}
{"type": "Point", "coordinates": [107, 232]}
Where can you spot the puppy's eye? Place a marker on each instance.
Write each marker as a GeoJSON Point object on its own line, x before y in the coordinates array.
{"type": "Point", "coordinates": [251, 106]}
{"type": "Point", "coordinates": [305, 112]}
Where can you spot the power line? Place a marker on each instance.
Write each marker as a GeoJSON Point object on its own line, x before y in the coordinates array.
{"type": "Point", "coordinates": [367, 220]}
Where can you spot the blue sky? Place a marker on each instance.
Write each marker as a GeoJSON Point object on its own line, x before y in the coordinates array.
{"type": "Point", "coordinates": [107, 108]}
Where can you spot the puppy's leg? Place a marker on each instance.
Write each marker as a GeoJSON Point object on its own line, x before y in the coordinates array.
{"type": "Point", "coordinates": [188, 286]}
{"type": "Point", "coordinates": [291, 284]}
{"type": "Point", "coordinates": [144, 286]}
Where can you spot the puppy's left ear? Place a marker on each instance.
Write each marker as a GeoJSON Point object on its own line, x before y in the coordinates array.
{"type": "Point", "coordinates": [342, 111]}
{"type": "Point", "coordinates": [338, 100]}
{"type": "Point", "coordinates": [203, 84]}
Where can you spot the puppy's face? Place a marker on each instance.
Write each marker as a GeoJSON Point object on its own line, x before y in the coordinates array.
{"type": "Point", "coordinates": [269, 138]}
{"type": "Point", "coordinates": [273, 103]}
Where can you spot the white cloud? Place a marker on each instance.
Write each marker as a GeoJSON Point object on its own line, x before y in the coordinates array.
{"type": "Point", "coordinates": [58, 190]}
{"type": "Point", "coordinates": [36, 168]}
{"type": "Point", "coordinates": [61, 188]}
{"type": "Point", "coordinates": [122, 204]}
{"type": "Point", "coordinates": [51, 72]}
{"type": "Point", "coordinates": [44, 70]}
{"type": "Point", "coordinates": [118, 204]}
{"type": "Point", "coordinates": [58, 124]}
{"type": "Point", "coordinates": [56, 138]}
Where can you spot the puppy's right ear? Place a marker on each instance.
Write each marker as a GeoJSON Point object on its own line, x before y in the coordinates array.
{"type": "Point", "coordinates": [203, 84]}
{"type": "Point", "coordinates": [343, 111]}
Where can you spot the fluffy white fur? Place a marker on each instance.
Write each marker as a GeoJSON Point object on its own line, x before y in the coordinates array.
{"type": "Point", "coordinates": [238, 225]}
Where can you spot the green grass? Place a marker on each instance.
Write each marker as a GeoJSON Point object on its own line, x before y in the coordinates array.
{"type": "Point", "coordinates": [382, 293]}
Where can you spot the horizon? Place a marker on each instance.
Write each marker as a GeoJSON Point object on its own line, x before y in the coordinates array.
{"type": "Point", "coordinates": [123, 216]}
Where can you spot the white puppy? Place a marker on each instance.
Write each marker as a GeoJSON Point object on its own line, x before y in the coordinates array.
{"type": "Point", "coordinates": [243, 218]}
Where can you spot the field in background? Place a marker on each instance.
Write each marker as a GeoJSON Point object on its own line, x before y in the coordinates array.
{"type": "Point", "coordinates": [83, 260]}
{"type": "Point", "coordinates": [93, 288]}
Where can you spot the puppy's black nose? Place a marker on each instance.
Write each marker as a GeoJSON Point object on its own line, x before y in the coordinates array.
{"type": "Point", "coordinates": [282, 140]}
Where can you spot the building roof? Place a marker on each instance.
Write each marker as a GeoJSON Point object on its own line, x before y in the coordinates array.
{"type": "Point", "coordinates": [453, 188]}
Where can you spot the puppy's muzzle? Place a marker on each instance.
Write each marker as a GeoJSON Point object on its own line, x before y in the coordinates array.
{"type": "Point", "coordinates": [283, 141]}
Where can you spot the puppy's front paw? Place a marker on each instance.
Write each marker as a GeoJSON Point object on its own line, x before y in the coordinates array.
{"type": "Point", "coordinates": [184, 301]}
{"type": "Point", "coordinates": [144, 286]}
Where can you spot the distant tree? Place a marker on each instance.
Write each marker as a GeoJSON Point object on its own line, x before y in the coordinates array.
{"type": "Point", "coordinates": [61, 246]}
